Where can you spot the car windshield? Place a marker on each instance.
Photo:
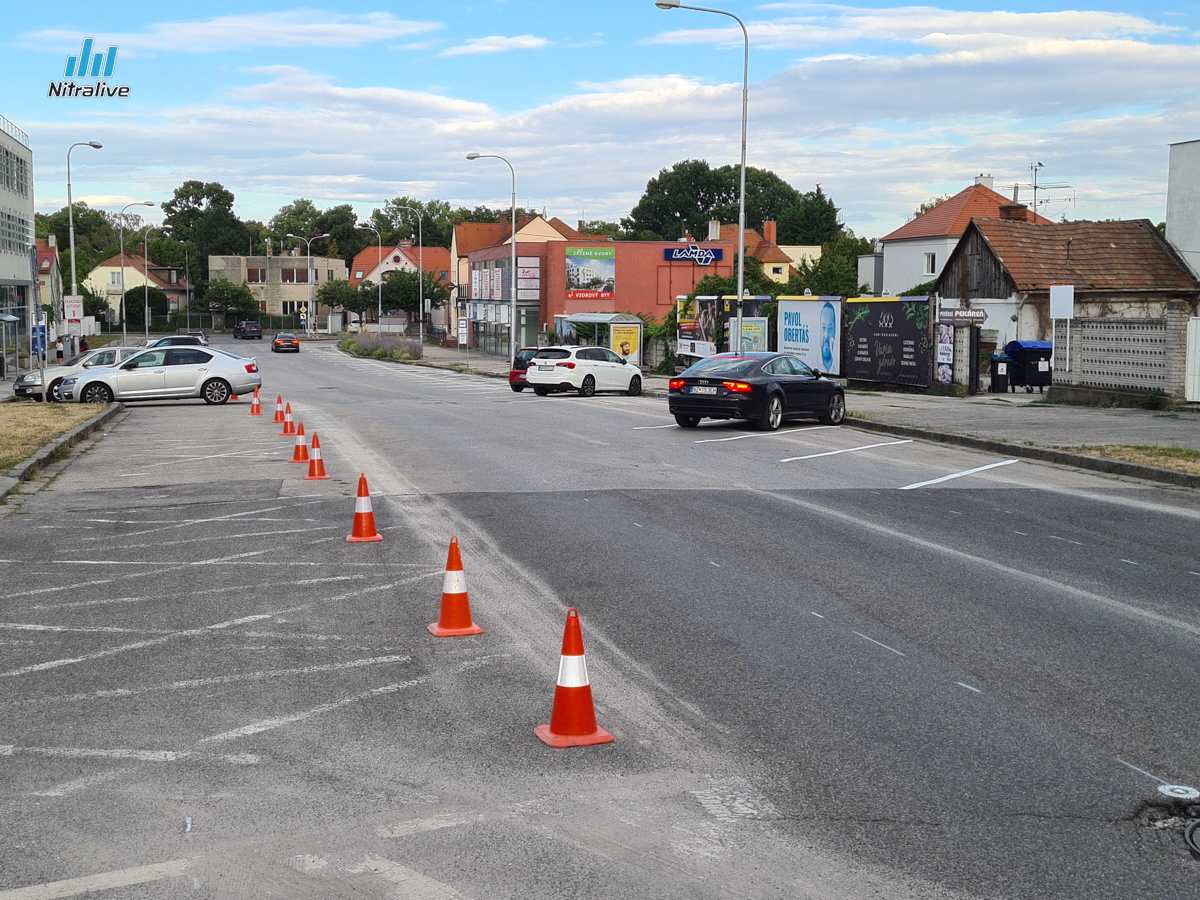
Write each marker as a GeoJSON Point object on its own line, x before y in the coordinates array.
{"type": "Point", "coordinates": [76, 360]}
{"type": "Point", "coordinates": [526, 355]}
{"type": "Point", "coordinates": [553, 353]}
{"type": "Point", "coordinates": [725, 365]}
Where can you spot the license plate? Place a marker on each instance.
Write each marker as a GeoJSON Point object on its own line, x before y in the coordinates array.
{"type": "Point", "coordinates": [545, 368]}
{"type": "Point", "coordinates": [700, 389]}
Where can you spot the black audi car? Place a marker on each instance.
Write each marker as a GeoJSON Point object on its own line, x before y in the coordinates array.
{"type": "Point", "coordinates": [764, 388]}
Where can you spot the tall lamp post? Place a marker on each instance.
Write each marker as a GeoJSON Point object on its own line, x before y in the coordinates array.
{"type": "Point", "coordinates": [512, 328]}
{"type": "Point", "coordinates": [420, 275]}
{"type": "Point", "coordinates": [312, 312]}
{"type": "Point", "coordinates": [379, 314]}
{"type": "Point", "coordinates": [95, 145]}
{"type": "Point", "coordinates": [169, 232]}
{"type": "Point", "coordinates": [145, 278]}
{"type": "Point", "coordinates": [121, 216]}
{"type": "Point", "coordinates": [741, 238]}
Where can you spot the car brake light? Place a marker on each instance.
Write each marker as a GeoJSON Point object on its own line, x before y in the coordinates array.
{"type": "Point", "coordinates": [676, 383]}
{"type": "Point", "coordinates": [737, 387]}
{"type": "Point", "coordinates": [251, 367]}
{"type": "Point", "coordinates": [569, 365]}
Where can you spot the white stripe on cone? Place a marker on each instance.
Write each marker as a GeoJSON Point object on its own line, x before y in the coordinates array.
{"type": "Point", "coordinates": [362, 505]}
{"type": "Point", "coordinates": [572, 672]}
{"type": "Point", "coordinates": [455, 582]}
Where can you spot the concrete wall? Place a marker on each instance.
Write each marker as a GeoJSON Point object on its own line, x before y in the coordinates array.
{"type": "Point", "coordinates": [904, 262]}
{"type": "Point", "coordinates": [1183, 201]}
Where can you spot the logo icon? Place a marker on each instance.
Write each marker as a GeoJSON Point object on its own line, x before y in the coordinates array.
{"type": "Point", "coordinates": [702, 256]}
{"type": "Point", "coordinates": [97, 61]}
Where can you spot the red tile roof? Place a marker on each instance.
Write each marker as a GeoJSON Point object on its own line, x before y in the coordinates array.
{"type": "Point", "coordinates": [138, 263]}
{"type": "Point", "coordinates": [436, 260]}
{"type": "Point", "coordinates": [1093, 256]}
{"type": "Point", "coordinates": [470, 236]}
{"type": "Point", "coordinates": [756, 245]}
{"type": "Point", "coordinates": [950, 219]}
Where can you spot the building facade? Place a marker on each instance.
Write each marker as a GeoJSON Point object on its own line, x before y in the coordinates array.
{"type": "Point", "coordinates": [106, 279]}
{"type": "Point", "coordinates": [280, 284]}
{"type": "Point", "coordinates": [17, 276]}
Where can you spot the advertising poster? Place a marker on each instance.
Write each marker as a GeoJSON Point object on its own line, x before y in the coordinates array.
{"type": "Point", "coordinates": [627, 342]}
{"type": "Point", "coordinates": [565, 330]}
{"type": "Point", "coordinates": [888, 340]}
{"type": "Point", "coordinates": [945, 354]}
{"type": "Point", "coordinates": [696, 329]}
{"type": "Point", "coordinates": [591, 273]}
{"type": "Point", "coordinates": [811, 328]}
{"type": "Point", "coordinates": [754, 333]}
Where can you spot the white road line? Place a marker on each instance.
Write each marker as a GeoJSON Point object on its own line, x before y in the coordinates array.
{"type": "Point", "coordinates": [106, 881]}
{"type": "Point", "coordinates": [921, 484]}
{"type": "Point", "coordinates": [873, 641]}
{"type": "Point", "coordinates": [1022, 533]}
{"type": "Point", "coordinates": [648, 427]}
{"type": "Point", "coordinates": [96, 629]}
{"type": "Point", "coordinates": [1065, 540]}
{"type": "Point", "coordinates": [1131, 562]}
{"type": "Point", "coordinates": [742, 437]}
{"type": "Point", "coordinates": [817, 614]}
{"type": "Point", "coordinates": [848, 450]}
{"type": "Point", "coordinates": [78, 784]}
{"type": "Point", "coordinates": [963, 684]}
{"type": "Point", "coordinates": [1121, 761]}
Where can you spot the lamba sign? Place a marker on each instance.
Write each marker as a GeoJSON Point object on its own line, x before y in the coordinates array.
{"type": "Point", "coordinates": [101, 64]}
{"type": "Point", "coordinates": [701, 256]}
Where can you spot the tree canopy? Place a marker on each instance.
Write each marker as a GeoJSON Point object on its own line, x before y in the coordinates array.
{"type": "Point", "coordinates": [225, 297]}
{"type": "Point", "coordinates": [202, 215]}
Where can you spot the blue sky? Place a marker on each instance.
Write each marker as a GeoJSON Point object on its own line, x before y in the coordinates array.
{"type": "Point", "coordinates": [882, 104]}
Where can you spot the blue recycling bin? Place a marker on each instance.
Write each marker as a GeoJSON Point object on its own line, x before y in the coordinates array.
{"type": "Point", "coordinates": [1031, 365]}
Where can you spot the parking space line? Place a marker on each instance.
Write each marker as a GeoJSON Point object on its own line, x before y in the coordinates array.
{"type": "Point", "coordinates": [88, 884]}
{"type": "Point", "coordinates": [742, 437]}
{"type": "Point", "coordinates": [647, 427]}
{"type": "Point", "coordinates": [848, 450]}
{"type": "Point", "coordinates": [873, 641]}
{"type": "Point", "coordinates": [921, 484]}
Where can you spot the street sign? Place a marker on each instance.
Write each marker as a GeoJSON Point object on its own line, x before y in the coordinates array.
{"type": "Point", "coordinates": [1062, 301]}
{"type": "Point", "coordinates": [462, 330]}
{"type": "Point", "coordinates": [962, 317]}
{"type": "Point", "coordinates": [73, 306]}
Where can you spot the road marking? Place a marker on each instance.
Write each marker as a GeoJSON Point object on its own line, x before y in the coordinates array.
{"type": "Point", "coordinates": [742, 437]}
{"type": "Point", "coordinates": [963, 684]}
{"type": "Point", "coordinates": [1022, 533]}
{"type": "Point", "coordinates": [648, 427]}
{"type": "Point", "coordinates": [1121, 761]}
{"type": "Point", "coordinates": [409, 883]}
{"type": "Point", "coordinates": [79, 784]}
{"type": "Point", "coordinates": [848, 450]}
{"type": "Point", "coordinates": [240, 759]}
{"type": "Point", "coordinates": [1054, 537]}
{"type": "Point", "coordinates": [419, 826]}
{"type": "Point", "coordinates": [1131, 562]}
{"type": "Point", "coordinates": [711, 563]}
{"type": "Point", "coordinates": [103, 629]}
{"type": "Point", "coordinates": [91, 883]}
{"type": "Point", "coordinates": [873, 641]}
{"type": "Point", "coordinates": [817, 614]}
{"type": "Point", "coordinates": [1194, 573]}
{"type": "Point", "coordinates": [921, 484]}
{"type": "Point", "coordinates": [132, 474]}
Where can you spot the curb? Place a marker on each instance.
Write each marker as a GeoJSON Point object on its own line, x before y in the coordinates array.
{"type": "Point", "coordinates": [23, 470]}
{"type": "Point", "coordinates": [1041, 454]}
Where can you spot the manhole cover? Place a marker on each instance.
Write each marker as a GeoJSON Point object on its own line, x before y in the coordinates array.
{"type": "Point", "coordinates": [1179, 792]}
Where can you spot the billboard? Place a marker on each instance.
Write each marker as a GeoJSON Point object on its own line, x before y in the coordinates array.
{"type": "Point", "coordinates": [696, 328]}
{"type": "Point", "coordinates": [627, 342]}
{"type": "Point", "coordinates": [811, 328]}
{"type": "Point", "coordinates": [754, 334]}
{"type": "Point", "coordinates": [701, 256]}
{"type": "Point", "coordinates": [591, 273]}
{"type": "Point", "coordinates": [888, 340]}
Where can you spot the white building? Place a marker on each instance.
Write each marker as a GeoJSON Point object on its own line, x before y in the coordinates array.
{"type": "Point", "coordinates": [16, 222]}
{"type": "Point", "coordinates": [1183, 201]}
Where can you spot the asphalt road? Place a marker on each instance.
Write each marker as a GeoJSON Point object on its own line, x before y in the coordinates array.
{"type": "Point", "coordinates": [826, 675]}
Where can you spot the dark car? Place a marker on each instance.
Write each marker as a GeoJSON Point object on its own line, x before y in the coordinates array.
{"type": "Point", "coordinates": [516, 375]}
{"type": "Point", "coordinates": [764, 388]}
{"type": "Point", "coordinates": [247, 330]}
{"type": "Point", "coordinates": [179, 340]}
{"type": "Point", "coordinates": [285, 343]}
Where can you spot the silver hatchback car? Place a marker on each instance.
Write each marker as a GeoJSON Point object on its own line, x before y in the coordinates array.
{"type": "Point", "coordinates": [167, 373]}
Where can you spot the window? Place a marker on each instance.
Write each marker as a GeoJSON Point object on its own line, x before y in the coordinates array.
{"type": "Point", "coordinates": [293, 276]}
{"type": "Point", "coordinates": [174, 276]}
{"type": "Point", "coordinates": [799, 367]}
{"type": "Point", "coordinates": [330, 274]}
{"type": "Point", "coordinates": [930, 263]}
{"type": "Point", "coordinates": [256, 276]}
{"type": "Point", "coordinates": [114, 277]}
{"type": "Point", "coordinates": [358, 273]}
{"type": "Point", "coordinates": [187, 356]}
{"type": "Point", "coordinates": [292, 307]}
{"type": "Point", "coordinates": [151, 359]}
{"type": "Point", "coordinates": [776, 270]}
{"type": "Point", "coordinates": [555, 353]}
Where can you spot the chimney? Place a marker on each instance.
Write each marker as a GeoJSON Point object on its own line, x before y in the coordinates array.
{"type": "Point", "coordinates": [1015, 212]}
{"type": "Point", "coordinates": [141, 251]}
{"type": "Point", "coordinates": [714, 229]}
{"type": "Point", "coordinates": [580, 228]}
{"type": "Point", "coordinates": [986, 180]}
{"type": "Point", "coordinates": [769, 231]}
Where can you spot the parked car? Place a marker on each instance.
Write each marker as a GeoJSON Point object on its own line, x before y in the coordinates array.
{"type": "Point", "coordinates": [285, 343]}
{"type": "Point", "coordinates": [200, 334]}
{"type": "Point", "coordinates": [516, 375]}
{"type": "Point", "coordinates": [179, 340]}
{"type": "Point", "coordinates": [31, 385]}
{"type": "Point", "coordinates": [248, 330]}
{"type": "Point", "coordinates": [582, 369]}
{"type": "Point", "coordinates": [764, 388]}
{"type": "Point", "coordinates": [166, 373]}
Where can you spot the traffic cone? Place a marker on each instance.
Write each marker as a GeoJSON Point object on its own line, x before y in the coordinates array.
{"type": "Point", "coordinates": [289, 427]}
{"type": "Point", "coordinates": [573, 719]}
{"type": "Point", "coordinates": [255, 405]}
{"type": "Point", "coordinates": [316, 466]}
{"type": "Point", "coordinates": [300, 454]}
{"type": "Point", "coordinates": [364, 518]}
{"type": "Point", "coordinates": [233, 398]}
{"type": "Point", "coordinates": [278, 410]}
{"type": "Point", "coordinates": [455, 617]}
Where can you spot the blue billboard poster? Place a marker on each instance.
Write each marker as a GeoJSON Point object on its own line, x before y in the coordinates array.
{"type": "Point", "coordinates": [811, 328]}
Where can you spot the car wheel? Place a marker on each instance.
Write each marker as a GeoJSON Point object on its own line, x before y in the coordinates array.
{"type": "Point", "coordinates": [215, 391]}
{"type": "Point", "coordinates": [517, 387]}
{"type": "Point", "coordinates": [541, 391]}
{"type": "Point", "coordinates": [588, 387]}
{"type": "Point", "coordinates": [96, 393]}
{"type": "Point", "coordinates": [687, 421]}
{"type": "Point", "coordinates": [772, 414]}
{"type": "Point", "coordinates": [836, 411]}
{"type": "Point", "coordinates": [635, 386]}
{"type": "Point", "coordinates": [55, 395]}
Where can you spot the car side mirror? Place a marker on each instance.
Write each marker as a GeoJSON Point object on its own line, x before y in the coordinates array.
{"type": "Point", "coordinates": [129, 365]}
{"type": "Point", "coordinates": [817, 373]}
{"type": "Point", "coordinates": [624, 361]}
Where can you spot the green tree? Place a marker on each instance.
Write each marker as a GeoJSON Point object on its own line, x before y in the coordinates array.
{"type": "Point", "coordinates": [828, 276]}
{"type": "Point", "coordinates": [136, 299]}
{"type": "Point", "coordinates": [347, 240]}
{"type": "Point", "coordinates": [931, 203]}
{"type": "Point", "coordinates": [298, 217]}
{"type": "Point", "coordinates": [224, 297]}
{"type": "Point", "coordinates": [202, 215]}
{"type": "Point", "coordinates": [600, 228]}
{"type": "Point", "coordinates": [340, 295]}
{"type": "Point", "coordinates": [400, 291]}
{"type": "Point", "coordinates": [96, 236]}
{"type": "Point", "coordinates": [812, 219]}
{"type": "Point", "coordinates": [847, 247]}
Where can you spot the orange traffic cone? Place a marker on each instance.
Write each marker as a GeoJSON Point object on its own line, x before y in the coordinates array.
{"type": "Point", "coordinates": [455, 618]}
{"type": "Point", "coordinates": [278, 410]}
{"type": "Point", "coordinates": [364, 518]}
{"type": "Point", "coordinates": [573, 719]}
{"type": "Point", "coordinates": [289, 427]}
{"type": "Point", "coordinates": [316, 466]}
{"type": "Point", "coordinates": [300, 454]}
{"type": "Point", "coordinates": [233, 398]}
{"type": "Point", "coordinates": [255, 405]}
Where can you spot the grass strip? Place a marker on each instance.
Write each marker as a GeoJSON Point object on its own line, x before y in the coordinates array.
{"type": "Point", "coordinates": [26, 427]}
{"type": "Point", "coordinates": [1178, 459]}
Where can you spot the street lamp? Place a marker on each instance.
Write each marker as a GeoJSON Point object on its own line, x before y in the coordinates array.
{"type": "Point", "coordinates": [121, 216]}
{"type": "Point", "coordinates": [95, 145]}
{"type": "Point", "coordinates": [741, 238]}
{"type": "Point", "coordinates": [167, 230]}
{"type": "Point", "coordinates": [308, 272]}
{"type": "Point", "coordinates": [512, 328]}
{"type": "Point", "coordinates": [379, 314]}
{"type": "Point", "coordinates": [420, 277]}
{"type": "Point", "coordinates": [145, 278]}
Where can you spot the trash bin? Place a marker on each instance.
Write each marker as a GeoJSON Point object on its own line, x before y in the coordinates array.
{"type": "Point", "coordinates": [1000, 367]}
{"type": "Point", "coordinates": [1031, 365]}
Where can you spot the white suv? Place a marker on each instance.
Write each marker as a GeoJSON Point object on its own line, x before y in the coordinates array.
{"type": "Point", "coordinates": [583, 369]}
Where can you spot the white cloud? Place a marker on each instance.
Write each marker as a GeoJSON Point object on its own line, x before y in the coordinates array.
{"type": "Point", "coordinates": [496, 44]}
{"type": "Point", "coordinates": [295, 28]}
